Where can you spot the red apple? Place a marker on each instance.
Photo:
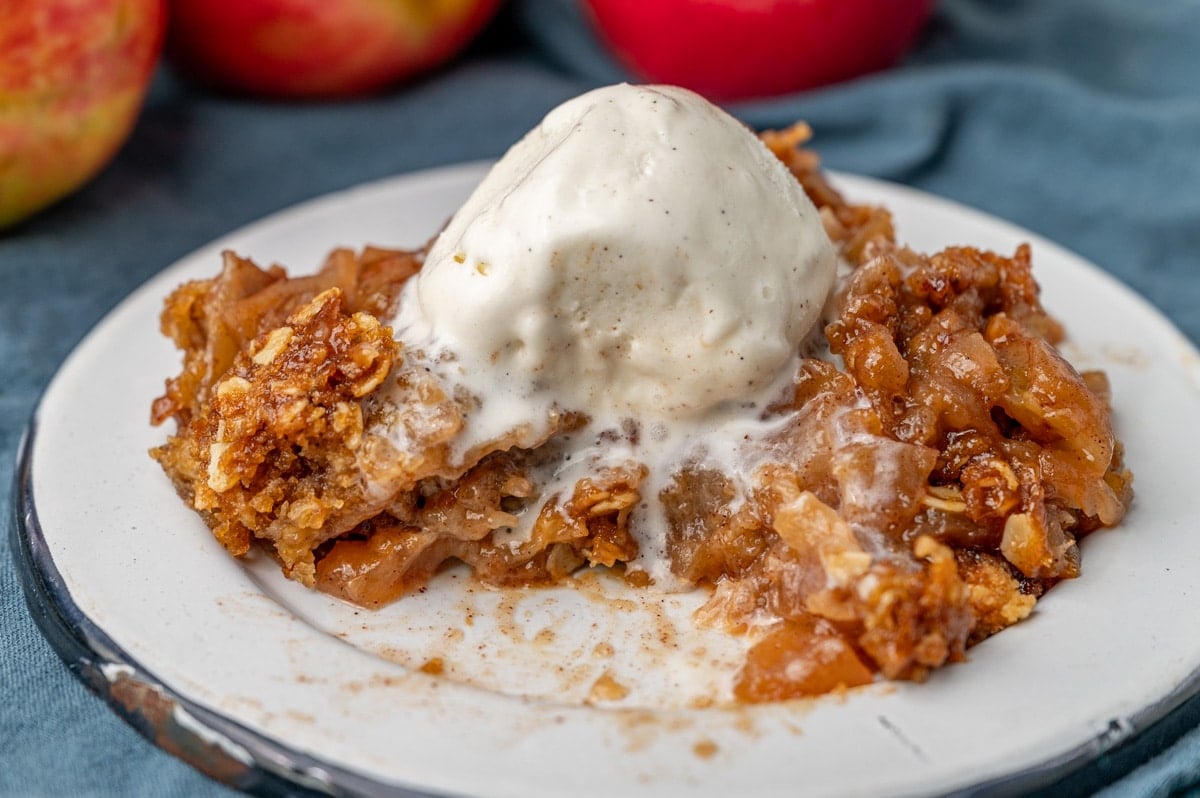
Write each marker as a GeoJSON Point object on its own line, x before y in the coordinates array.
{"type": "Point", "coordinates": [737, 49]}
{"type": "Point", "coordinates": [73, 75]}
{"type": "Point", "coordinates": [318, 48]}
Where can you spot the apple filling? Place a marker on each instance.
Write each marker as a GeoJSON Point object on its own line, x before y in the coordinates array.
{"type": "Point", "coordinates": [921, 485]}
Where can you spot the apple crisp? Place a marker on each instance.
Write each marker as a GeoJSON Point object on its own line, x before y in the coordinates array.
{"type": "Point", "coordinates": [926, 479]}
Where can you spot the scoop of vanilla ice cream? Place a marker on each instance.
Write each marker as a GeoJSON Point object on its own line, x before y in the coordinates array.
{"type": "Point", "coordinates": [640, 254]}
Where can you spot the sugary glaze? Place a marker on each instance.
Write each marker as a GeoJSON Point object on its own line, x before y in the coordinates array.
{"type": "Point", "coordinates": [909, 492]}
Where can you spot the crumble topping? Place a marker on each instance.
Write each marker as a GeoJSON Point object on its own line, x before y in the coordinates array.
{"type": "Point", "coordinates": [914, 491]}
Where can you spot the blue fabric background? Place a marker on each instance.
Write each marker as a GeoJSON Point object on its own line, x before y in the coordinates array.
{"type": "Point", "coordinates": [1079, 119]}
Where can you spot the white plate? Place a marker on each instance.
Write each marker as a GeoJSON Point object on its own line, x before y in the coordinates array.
{"type": "Point", "coordinates": [246, 667]}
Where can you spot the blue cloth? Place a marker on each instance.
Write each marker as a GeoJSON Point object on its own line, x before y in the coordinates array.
{"type": "Point", "coordinates": [1079, 119]}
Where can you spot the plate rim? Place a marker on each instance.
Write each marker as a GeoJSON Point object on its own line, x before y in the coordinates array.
{"type": "Point", "coordinates": [219, 746]}
{"type": "Point", "coordinates": [252, 761]}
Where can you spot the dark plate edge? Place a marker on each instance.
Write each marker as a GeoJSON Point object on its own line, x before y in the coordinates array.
{"type": "Point", "coordinates": [221, 749]}
{"type": "Point", "coordinates": [249, 761]}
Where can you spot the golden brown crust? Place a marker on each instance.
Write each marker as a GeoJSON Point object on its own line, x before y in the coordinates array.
{"type": "Point", "coordinates": [917, 498]}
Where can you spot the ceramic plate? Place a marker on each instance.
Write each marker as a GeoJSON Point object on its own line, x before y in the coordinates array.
{"type": "Point", "coordinates": [262, 683]}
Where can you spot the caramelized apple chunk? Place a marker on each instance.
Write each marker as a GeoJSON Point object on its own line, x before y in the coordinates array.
{"type": "Point", "coordinates": [920, 487]}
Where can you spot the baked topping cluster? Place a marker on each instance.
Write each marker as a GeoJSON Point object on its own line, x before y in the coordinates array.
{"type": "Point", "coordinates": [915, 488]}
